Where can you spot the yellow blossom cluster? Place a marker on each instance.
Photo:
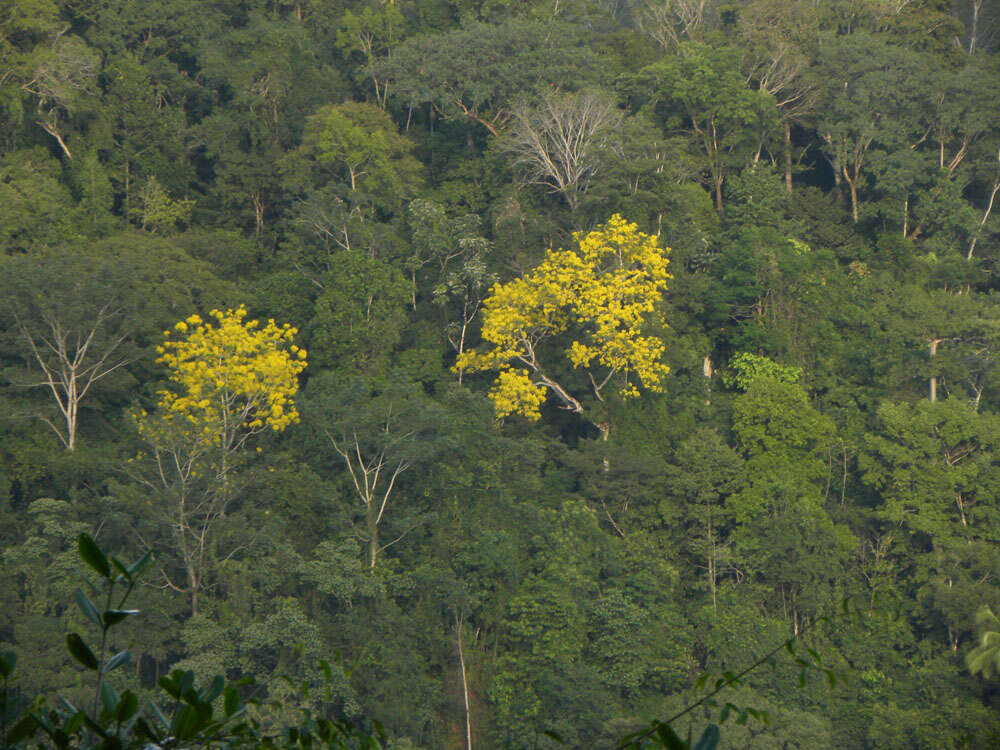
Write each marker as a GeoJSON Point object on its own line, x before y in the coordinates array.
{"type": "Point", "coordinates": [231, 377]}
{"type": "Point", "coordinates": [514, 393]}
{"type": "Point", "coordinates": [602, 293]}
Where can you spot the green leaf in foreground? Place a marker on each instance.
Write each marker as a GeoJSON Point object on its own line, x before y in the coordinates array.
{"type": "Point", "coordinates": [80, 651]}
{"type": "Point", "coordinates": [91, 554]}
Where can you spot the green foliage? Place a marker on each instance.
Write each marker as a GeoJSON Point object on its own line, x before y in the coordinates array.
{"type": "Point", "coordinates": [476, 72]}
{"type": "Point", "coordinates": [358, 319]}
{"type": "Point", "coordinates": [748, 368]}
{"type": "Point", "coordinates": [357, 145]}
{"type": "Point", "coordinates": [703, 88]}
{"type": "Point", "coordinates": [985, 658]}
{"type": "Point", "coordinates": [822, 426]}
{"type": "Point", "coordinates": [215, 713]}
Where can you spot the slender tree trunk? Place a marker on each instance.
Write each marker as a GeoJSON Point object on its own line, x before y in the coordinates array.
{"type": "Point", "coordinates": [465, 688]}
{"type": "Point", "coordinates": [961, 510]}
{"type": "Point", "coordinates": [711, 563]}
{"type": "Point", "coordinates": [932, 348]}
{"type": "Point", "coordinates": [706, 370]}
{"type": "Point", "coordinates": [788, 157]}
{"type": "Point", "coordinates": [72, 399]}
{"type": "Point", "coordinates": [258, 214]}
{"type": "Point", "coordinates": [461, 335]}
{"type": "Point", "coordinates": [372, 535]}
{"type": "Point", "coordinates": [974, 25]}
{"type": "Point", "coordinates": [835, 165]}
{"type": "Point", "coordinates": [605, 428]}
{"type": "Point", "coordinates": [51, 130]}
{"type": "Point", "coordinates": [986, 216]}
{"type": "Point", "coordinates": [843, 479]}
{"type": "Point", "coordinates": [854, 197]}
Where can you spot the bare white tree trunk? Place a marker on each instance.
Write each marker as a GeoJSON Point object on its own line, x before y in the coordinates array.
{"type": "Point", "coordinates": [977, 6]}
{"type": "Point", "coordinates": [932, 346]}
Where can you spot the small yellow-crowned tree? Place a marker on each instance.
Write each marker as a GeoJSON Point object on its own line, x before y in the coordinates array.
{"type": "Point", "coordinates": [597, 298]}
{"type": "Point", "coordinates": [230, 379]}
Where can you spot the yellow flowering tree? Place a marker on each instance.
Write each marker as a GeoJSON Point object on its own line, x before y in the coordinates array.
{"type": "Point", "coordinates": [229, 379]}
{"type": "Point", "coordinates": [593, 302]}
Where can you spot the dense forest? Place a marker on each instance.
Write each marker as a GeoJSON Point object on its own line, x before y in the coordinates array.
{"type": "Point", "coordinates": [506, 367]}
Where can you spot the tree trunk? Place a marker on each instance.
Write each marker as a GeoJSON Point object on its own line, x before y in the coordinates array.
{"type": "Point", "coordinates": [986, 216]}
{"type": "Point", "coordinates": [711, 563]}
{"type": "Point", "coordinates": [372, 538]}
{"type": "Point", "coordinates": [932, 347]}
{"type": "Point", "coordinates": [465, 689]}
{"type": "Point", "coordinates": [51, 130]}
{"type": "Point", "coordinates": [854, 198]}
{"type": "Point", "coordinates": [974, 25]}
{"type": "Point", "coordinates": [788, 157]}
{"type": "Point", "coordinates": [71, 406]}
{"type": "Point", "coordinates": [605, 428]}
{"type": "Point", "coordinates": [706, 370]}
{"type": "Point", "coordinates": [258, 214]}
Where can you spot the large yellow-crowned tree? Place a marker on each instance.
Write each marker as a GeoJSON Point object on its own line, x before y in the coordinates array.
{"type": "Point", "coordinates": [590, 304]}
{"type": "Point", "coordinates": [229, 379]}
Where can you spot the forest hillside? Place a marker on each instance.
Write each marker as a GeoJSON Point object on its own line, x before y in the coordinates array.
{"type": "Point", "coordinates": [506, 367]}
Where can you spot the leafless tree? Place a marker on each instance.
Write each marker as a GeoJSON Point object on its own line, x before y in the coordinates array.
{"type": "Point", "coordinates": [557, 141]}
{"type": "Point", "coordinates": [71, 360]}
{"type": "Point", "coordinates": [670, 22]}
{"type": "Point", "coordinates": [373, 469]}
{"type": "Point", "coordinates": [66, 320]}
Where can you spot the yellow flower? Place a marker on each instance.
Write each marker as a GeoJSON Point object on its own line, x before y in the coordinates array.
{"type": "Point", "coordinates": [230, 378]}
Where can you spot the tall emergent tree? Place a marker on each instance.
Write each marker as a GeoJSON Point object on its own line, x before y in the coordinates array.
{"type": "Point", "coordinates": [229, 380]}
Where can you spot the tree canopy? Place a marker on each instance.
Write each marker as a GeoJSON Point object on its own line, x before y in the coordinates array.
{"type": "Point", "coordinates": [510, 374]}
